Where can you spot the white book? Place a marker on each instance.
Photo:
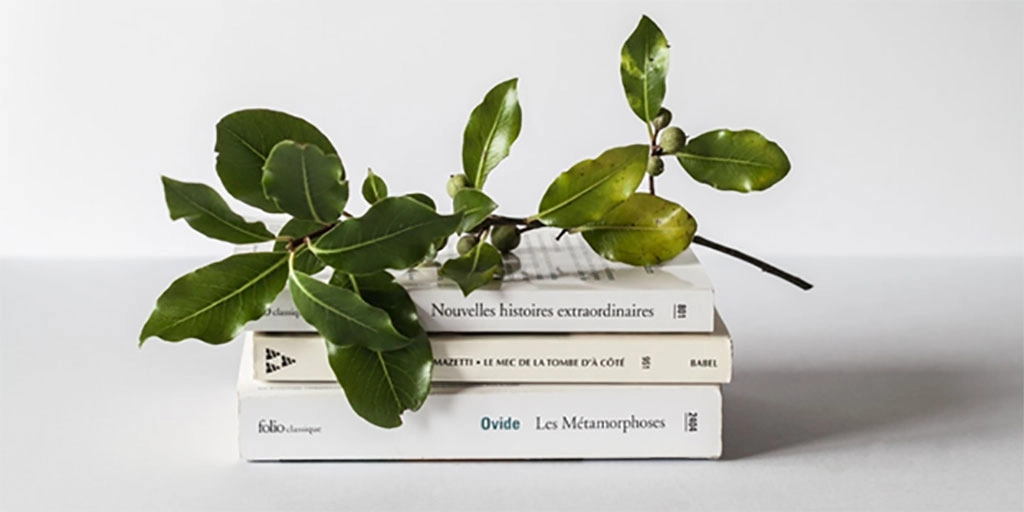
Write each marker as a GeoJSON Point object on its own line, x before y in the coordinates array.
{"type": "Point", "coordinates": [308, 421]}
{"type": "Point", "coordinates": [549, 286]}
{"type": "Point", "coordinates": [704, 358]}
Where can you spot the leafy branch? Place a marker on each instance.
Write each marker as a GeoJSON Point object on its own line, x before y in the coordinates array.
{"type": "Point", "coordinates": [377, 348]}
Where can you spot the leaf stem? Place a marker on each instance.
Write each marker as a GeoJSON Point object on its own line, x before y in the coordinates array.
{"type": "Point", "coordinates": [291, 261]}
{"type": "Point", "coordinates": [531, 227]}
{"type": "Point", "coordinates": [298, 242]}
{"type": "Point", "coordinates": [501, 220]}
{"type": "Point", "coordinates": [764, 266]}
{"type": "Point", "coordinates": [355, 285]}
{"type": "Point", "coordinates": [481, 234]}
{"type": "Point", "coordinates": [655, 151]}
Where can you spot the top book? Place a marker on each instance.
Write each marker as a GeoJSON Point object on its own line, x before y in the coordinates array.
{"type": "Point", "coordinates": [549, 286]}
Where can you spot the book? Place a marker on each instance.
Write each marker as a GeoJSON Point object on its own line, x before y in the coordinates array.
{"type": "Point", "coordinates": [549, 286]}
{"type": "Point", "coordinates": [517, 357]}
{"type": "Point", "coordinates": [313, 421]}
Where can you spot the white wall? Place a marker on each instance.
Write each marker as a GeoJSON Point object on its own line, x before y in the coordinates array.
{"type": "Point", "coordinates": [904, 121]}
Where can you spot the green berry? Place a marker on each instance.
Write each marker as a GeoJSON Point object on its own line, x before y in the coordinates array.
{"type": "Point", "coordinates": [505, 238]}
{"type": "Point", "coordinates": [672, 140]}
{"type": "Point", "coordinates": [662, 119]}
{"type": "Point", "coordinates": [456, 184]}
{"type": "Point", "coordinates": [655, 166]}
{"type": "Point", "coordinates": [466, 244]}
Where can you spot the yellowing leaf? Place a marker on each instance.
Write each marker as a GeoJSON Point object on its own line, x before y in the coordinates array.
{"type": "Point", "coordinates": [591, 188]}
{"type": "Point", "coordinates": [644, 68]}
{"type": "Point", "coordinates": [741, 161]}
{"type": "Point", "coordinates": [643, 230]}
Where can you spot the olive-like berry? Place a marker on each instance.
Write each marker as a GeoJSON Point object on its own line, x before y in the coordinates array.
{"type": "Point", "coordinates": [456, 183]}
{"type": "Point", "coordinates": [662, 119]}
{"type": "Point", "coordinates": [505, 238]}
{"type": "Point", "coordinates": [466, 244]}
{"type": "Point", "coordinates": [672, 140]}
{"type": "Point", "coordinates": [655, 166]}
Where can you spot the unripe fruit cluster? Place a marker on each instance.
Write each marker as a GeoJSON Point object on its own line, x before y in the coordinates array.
{"type": "Point", "coordinates": [671, 140]}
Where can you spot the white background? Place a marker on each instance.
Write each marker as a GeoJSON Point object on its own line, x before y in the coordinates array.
{"type": "Point", "coordinates": [904, 121]}
{"type": "Point", "coordinates": [894, 385]}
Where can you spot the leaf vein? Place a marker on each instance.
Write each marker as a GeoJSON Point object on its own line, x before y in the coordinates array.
{"type": "Point", "coordinates": [326, 306]}
{"type": "Point", "coordinates": [750, 163]}
{"type": "Point", "coordinates": [478, 179]}
{"type": "Point", "coordinates": [581, 193]}
{"type": "Point", "coordinates": [237, 291]}
{"type": "Point", "coordinates": [245, 143]}
{"type": "Point", "coordinates": [257, 236]}
{"type": "Point", "coordinates": [305, 185]}
{"type": "Point", "coordinates": [360, 245]}
{"type": "Point", "coordinates": [391, 383]}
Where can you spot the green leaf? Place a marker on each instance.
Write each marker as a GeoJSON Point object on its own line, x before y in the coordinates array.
{"type": "Point", "coordinates": [492, 128]}
{"type": "Point", "coordinates": [643, 69]}
{"type": "Point", "coordinates": [742, 160]}
{"type": "Point", "coordinates": [423, 199]}
{"type": "Point", "coordinates": [380, 289]}
{"type": "Point", "coordinates": [305, 182]}
{"type": "Point", "coordinates": [591, 188]}
{"type": "Point", "coordinates": [214, 302]}
{"type": "Point", "coordinates": [474, 205]}
{"type": "Point", "coordinates": [244, 140]}
{"type": "Point", "coordinates": [395, 233]}
{"type": "Point", "coordinates": [305, 260]}
{"type": "Point", "coordinates": [643, 230]}
{"type": "Point", "coordinates": [204, 210]}
{"type": "Point", "coordinates": [374, 188]}
{"type": "Point", "coordinates": [380, 386]}
{"type": "Point", "coordinates": [342, 316]}
{"type": "Point", "coordinates": [475, 269]}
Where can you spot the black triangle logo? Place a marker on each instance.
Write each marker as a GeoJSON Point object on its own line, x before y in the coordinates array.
{"type": "Point", "coordinates": [286, 361]}
{"type": "Point", "coordinates": [271, 368]}
{"type": "Point", "coordinates": [271, 353]}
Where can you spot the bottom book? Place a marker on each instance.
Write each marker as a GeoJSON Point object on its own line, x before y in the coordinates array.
{"type": "Point", "coordinates": [313, 421]}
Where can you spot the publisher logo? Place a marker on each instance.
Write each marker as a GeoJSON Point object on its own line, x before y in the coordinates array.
{"type": "Point", "coordinates": [272, 426]}
{"type": "Point", "coordinates": [275, 360]}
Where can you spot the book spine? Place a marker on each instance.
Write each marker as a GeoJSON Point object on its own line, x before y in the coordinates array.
{"type": "Point", "coordinates": [447, 310]}
{"type": "Point", "coordinates": [313, 422]}
{"type": "Point", "coordinates": [545, 358]}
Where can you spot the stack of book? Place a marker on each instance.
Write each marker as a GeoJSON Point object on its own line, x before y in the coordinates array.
{"type": "Point", "coordinates": [570, 357]}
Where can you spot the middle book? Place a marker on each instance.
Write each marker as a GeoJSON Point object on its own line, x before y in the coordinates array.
{"type": "Point", "coordinates": [678, 358]}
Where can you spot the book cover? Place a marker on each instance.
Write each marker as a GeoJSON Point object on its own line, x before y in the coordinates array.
{"type": "Point", "coordinates": [550, 286]}
{"type": "Point", "coordinates": [539, 358]}
{"type": "Point", "coordinates": [310, 421]}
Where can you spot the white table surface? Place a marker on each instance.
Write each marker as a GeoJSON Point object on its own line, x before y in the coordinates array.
{"type": "Point", "coordinates": [894, 385]}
